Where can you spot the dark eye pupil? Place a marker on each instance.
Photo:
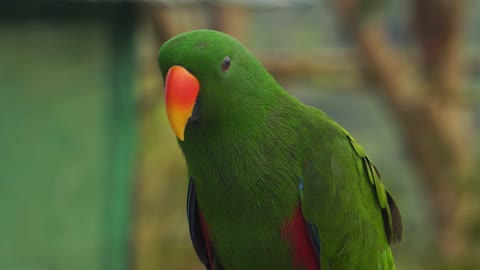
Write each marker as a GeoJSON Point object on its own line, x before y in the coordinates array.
{"type": "Point", "coordinates": [226, 63]}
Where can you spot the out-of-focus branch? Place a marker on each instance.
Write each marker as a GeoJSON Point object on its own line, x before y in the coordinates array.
{"type": "Point", "coordinates": [388, 67]}
{"type": "Point", "coordinates": [438, 28]}
{"type": "Point", "coordinates": [437, 25]}
{"type": "Point", "coordinates": [386, 63]}
{"type": "Point", "coordinates": [170, 21]}
{"type": "Point", "coordinates": [291, 65]}
{"type": "Point", "coordinates": [231, 19]}
{"type": "Point", "coordinates": [161, 22]}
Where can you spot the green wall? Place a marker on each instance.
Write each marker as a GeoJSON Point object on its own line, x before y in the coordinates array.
{"type": "Point", "coordinates": [67, 135]}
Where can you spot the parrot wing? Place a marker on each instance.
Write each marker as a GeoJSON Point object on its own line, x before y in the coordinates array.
{"type": "Point", "coordinates": [391, 214]}
{"type": "Point", "coordinates": [199, 231]}
{"type": "Point", "coordinates": [351, 217]}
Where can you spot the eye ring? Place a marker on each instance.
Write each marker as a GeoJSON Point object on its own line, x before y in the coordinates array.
{"type": "Point", "coordinates": [226, 64]}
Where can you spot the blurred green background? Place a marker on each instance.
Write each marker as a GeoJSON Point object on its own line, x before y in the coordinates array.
{"type": "Point", "coordinates": [92, 177]}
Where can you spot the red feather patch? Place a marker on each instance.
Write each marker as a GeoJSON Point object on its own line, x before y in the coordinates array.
{"type": "Point", "coordinates": [206, 236]}
{"type": "Point", "coordinates": [296, 233]}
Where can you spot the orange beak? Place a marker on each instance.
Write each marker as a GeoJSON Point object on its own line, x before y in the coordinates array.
{"type": "Point", "coordinates": [181, 91]}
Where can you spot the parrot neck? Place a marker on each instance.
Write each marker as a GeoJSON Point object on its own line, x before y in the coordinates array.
{"type": "Point", "coordinates": [228, 160]}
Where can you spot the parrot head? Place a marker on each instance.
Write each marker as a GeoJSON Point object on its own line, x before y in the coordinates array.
{"type": "Point", "coordinates": [210, 79]}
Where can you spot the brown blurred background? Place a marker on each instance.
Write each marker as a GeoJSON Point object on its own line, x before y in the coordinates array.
{"type": "Point", "coordinates": [92, 177]}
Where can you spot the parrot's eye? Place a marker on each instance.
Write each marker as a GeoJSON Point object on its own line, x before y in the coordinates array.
{"type": "Point", "coordinates": [225, 63]}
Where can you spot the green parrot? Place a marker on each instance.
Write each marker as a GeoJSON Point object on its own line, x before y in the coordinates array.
{"type": "Point", "coordinates": [274, 184]}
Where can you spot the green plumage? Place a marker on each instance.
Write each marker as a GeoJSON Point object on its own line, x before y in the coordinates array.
{"type": "Point", "coordinates": [248, 152]}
